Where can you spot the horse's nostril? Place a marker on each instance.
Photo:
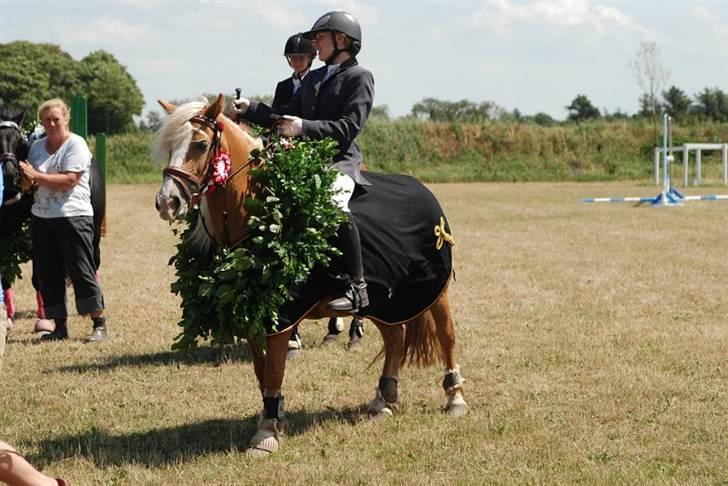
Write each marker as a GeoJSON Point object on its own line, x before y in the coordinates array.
{"type": "Point", "coordinates": [174, 203]}
{"type": "Point", "coordinates": [156, 203]}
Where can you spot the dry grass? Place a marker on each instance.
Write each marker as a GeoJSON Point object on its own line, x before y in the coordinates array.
{"type": "Point", "coordinates": [592, 337]}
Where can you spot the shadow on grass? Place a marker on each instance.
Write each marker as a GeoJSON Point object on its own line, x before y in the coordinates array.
{"type": "Point", "coordinates": [205, 355]}
{"type": "Point", "coordinates": [175, 445]}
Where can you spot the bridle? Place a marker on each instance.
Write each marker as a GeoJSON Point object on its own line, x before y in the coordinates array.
{"type": "Point", "coordinates": [193, 187]}
{"type": "Point", "coordinates": [10, 157]}
{"type": "Point", "coordinates": [190, 184]}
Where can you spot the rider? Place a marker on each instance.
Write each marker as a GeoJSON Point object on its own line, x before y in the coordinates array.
{"type": "Point", "coordinates": [334, 101]}
{"type": "Point", "coordinates": [300, 53]}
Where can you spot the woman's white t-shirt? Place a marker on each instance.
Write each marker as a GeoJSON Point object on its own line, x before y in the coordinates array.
{"type": "Point", "coordinates": [73, 156]}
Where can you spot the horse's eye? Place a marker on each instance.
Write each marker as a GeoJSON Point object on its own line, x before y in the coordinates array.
{"type": "Point", "coordinates": [202, 144]}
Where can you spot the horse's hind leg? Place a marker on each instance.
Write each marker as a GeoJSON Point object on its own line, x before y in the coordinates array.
{"type": "Point", "coordinates": [453, 381]}
{"type": "Point", "coordinates": [272, 424]}
{"type": "Point", "coordinates": [386, 400]}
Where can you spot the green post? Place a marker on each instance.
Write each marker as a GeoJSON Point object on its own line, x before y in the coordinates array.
{"type": "Point", "coordinates": [79, 121]}
{"type": "Point", "coordinates": [101, 152]}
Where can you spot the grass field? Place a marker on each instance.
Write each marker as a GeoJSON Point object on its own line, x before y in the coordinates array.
{"type": "Point", "coordinates": [593, 340]}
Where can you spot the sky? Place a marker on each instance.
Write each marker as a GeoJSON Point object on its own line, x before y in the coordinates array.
{"type": "Point", "coordinates": [536, 56]}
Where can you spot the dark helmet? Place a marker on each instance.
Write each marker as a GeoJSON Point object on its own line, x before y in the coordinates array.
{"type": "Point", "coordinates": [338, 22]}
{"type": "Point", "coordinates": [297, 44]}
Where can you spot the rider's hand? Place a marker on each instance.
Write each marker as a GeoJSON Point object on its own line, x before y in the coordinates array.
{"type": "Point", "coordinates": [241, 105]}
{"type": "Point", "coordinates": [290, 126]}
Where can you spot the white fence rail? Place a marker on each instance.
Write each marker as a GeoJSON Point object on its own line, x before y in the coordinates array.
{"type": "Point", "coordinates": [698, 148]}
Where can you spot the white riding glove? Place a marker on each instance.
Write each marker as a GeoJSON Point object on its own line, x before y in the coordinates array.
{"type": "Point", "coordinates": [290, 126]}
{"type": "Point", "coordinates": [241, 105]}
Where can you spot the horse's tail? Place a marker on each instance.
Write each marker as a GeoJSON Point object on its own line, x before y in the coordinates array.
{"type": "Point", "coordinates": [421, 345]}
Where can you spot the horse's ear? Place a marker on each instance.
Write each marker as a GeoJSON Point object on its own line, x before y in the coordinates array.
{"type": "Point", "coordinates": [216, 107]}
{"type": "Point", "coordinates": [19, 118]}
{"type": "Point", "coordinates": [168, 107]}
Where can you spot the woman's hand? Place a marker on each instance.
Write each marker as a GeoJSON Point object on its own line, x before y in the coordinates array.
{"type": "Point", "coordinates": [290, 126]}
{"type": "Point", "coordinates": [28, 174]}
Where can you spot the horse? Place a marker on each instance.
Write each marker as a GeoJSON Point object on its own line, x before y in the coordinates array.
{"type": "Point", "coordinates": [188, 138]}
{"type": "Point", "coordinates": [16, 206]}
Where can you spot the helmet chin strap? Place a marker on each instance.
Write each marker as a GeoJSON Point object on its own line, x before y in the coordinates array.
{"type": "Point", "coordinates": [330, 60]}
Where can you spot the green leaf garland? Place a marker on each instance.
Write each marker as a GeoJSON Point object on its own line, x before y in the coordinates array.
{"type": "Point", "coordinates": [233, 294]}
{"type": "Point", "coordinates": [15, 249]}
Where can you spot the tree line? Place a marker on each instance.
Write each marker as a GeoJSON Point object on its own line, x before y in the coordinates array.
{"type": "Point", "coordinates": [32, 73]}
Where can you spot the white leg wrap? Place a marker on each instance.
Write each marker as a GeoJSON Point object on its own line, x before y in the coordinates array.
{"type": "Point", "coordinates": [453, 385]}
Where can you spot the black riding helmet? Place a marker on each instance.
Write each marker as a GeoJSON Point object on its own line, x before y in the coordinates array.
{"type": "Point", "coordinates": [338, 22]}
{"type": "Point", "coordinates": [297, 44]}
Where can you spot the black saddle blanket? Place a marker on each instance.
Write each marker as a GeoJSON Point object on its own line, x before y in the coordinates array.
{"type": "Point", "coordinates": [397, 218]}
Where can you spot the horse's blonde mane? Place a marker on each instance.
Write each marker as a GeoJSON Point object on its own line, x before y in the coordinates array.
{"type": "Point", "coordinates": [176, 130]}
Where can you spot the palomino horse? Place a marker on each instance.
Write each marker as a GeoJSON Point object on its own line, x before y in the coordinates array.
{"type": "Point", "coordinates": [188, 136]}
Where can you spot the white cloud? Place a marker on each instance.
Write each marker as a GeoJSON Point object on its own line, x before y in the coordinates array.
{"type": "Point", "coordinates": [713, 23]}
{"type": "Point", "coordinates": [502, 15]}
{"type": "Point", "coordinates": [365, 13]}
{"type": "Point", "coordinates": [105, 30]}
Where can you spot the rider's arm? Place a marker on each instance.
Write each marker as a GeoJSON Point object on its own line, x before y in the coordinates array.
{"type": "Point", "coordinates": [357, 101]}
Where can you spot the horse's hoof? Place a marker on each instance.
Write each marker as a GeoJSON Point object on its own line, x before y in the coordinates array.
{"type": "Point", "coordinates": [267, 439]}
{"type": "Point", "coordinates": [379, 407]}
{"type": "Point", "coordinates": [385, 412]}
{"type": "Point", "coordinates": [330, 339]}
{"type": "Point", "coordinates": [264, 449]}
{"type": "Point", "coordinates": [456, 406]}
{"type": "Point", "coordinates": [355, 346]}
{"type": "Point", "coordinates": [44, 326]}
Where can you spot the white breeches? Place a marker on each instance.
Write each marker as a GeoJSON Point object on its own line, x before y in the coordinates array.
{"type": "Point", "coordinates": [343, 188]}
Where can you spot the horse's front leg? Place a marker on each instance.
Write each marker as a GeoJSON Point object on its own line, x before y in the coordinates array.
{"type": "Point", "coordinates": [272, 423]}
{"type": "Point", "coordinates": [386, 399]}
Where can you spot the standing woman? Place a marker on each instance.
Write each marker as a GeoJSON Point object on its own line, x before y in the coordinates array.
{"type": "Point", "coordinates": [334, 101]}
{"type": "Point", "coordinates": [62, 222]}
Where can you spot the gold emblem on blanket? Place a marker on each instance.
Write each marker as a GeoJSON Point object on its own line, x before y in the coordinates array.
{"type": "Point", "coordinates": [442, 234]}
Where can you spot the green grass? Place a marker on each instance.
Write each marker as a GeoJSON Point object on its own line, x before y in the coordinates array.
{"type": "Point", "coordinates": [592, 339]}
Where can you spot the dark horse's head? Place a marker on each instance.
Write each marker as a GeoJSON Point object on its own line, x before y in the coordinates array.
{"type": "Point", "coordinates": [13, 148]}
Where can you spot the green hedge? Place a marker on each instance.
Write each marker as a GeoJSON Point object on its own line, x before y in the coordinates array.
{"type": "Point", "coordinates": [438, 152]}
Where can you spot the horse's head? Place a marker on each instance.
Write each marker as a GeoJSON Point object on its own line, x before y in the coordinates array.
{"type": "Point", "coordinates": [13, 147]}
{"type": "Point", "coordinates": [190, 138]}
{"type": "Point", "coordinates": [187, 144]}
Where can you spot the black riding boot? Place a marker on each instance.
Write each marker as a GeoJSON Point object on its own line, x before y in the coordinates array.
{"type": "Point", "coordinates": [355, 297]}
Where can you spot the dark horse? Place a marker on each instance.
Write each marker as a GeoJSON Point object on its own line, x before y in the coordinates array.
{"type": "Point", "coordinates": [415, 329]}
{"type": "Point", "coordinates": [14, 146]}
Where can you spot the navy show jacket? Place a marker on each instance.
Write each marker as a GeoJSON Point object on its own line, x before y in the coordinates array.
{"type": "Point", "coordinates": [336, 108]}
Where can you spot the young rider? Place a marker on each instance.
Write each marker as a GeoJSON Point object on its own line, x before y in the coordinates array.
{"type": "Point", "coordinates": [300, 53]}
{"type": "Point", "coordinates": [334, 101]}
